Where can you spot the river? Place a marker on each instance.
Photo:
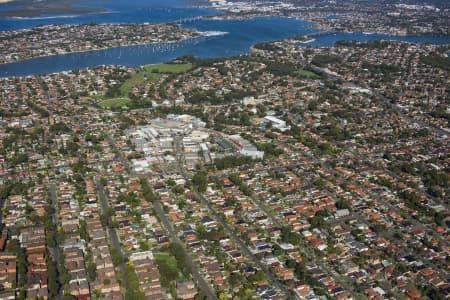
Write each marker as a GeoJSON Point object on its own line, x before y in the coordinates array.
{"type": "Point", "coordinates": [239, 35]}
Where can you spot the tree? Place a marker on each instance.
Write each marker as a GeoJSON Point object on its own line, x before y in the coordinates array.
{"type": "Point", "coordinates": [168, 269]}
{"type": "Point", "coordinates": [178, 251]}
{"type": "Point", "coordinates": [178, 189]}
{"type": "Point", "coordinates": [258, 276]}
{"type": "Point", "coordinates": [235, 179]}
{"type": "Point", "coordinates": [53, 284]}
{"type": "Point", "coordinates": [22, 295]}
{"type": "Point", "coordinates": [223, 296]}
{"type": "Point", "coordinates": [14, 247]}
{"type": "Point", "coordinates": [288, 236]}
{"type": "Point", "coordinates": [83, 231]}
{"type": "Point", "coordinates": [98, 295]}
{"type": "Point", "coordinates": [323, 60]}
{"type": "Point", "coordinates": [379, 228]}
{"type": "Point", "coordinates": [144, 246]}
{"type": "Point", "coordinates": [91, 270]}
{"type": "Point", "coordinates": [436, 61]}
{"type": "Point", "coordinates": [343, 204]}
{"type": "Point", "coordinates": [317, 221]}
{"type": "Point", "coordinates": [232, 161]}
{"type": "Point", "coordinates": [245, 189]}
{"type": "Point", "coordinates": [147, 191]}
{"type": "Point", "coordinates": [132, 284]}
{"type": "Point", "coordinates": [290, 263]}
{"type": "Point", "coordinates": [116, 257]}
{"type": "Point", "coordinates": [200, 181]}
{"type": "Point", "coordinates": [230, 201]}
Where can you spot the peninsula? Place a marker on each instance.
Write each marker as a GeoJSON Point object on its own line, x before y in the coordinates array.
{"type": "Point", "coordinates": [24, 8]}
{"type": "Point", "coordinates": [62, 39]}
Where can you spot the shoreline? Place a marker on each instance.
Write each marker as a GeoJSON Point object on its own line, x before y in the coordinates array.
{"type": "Point", "coordinates": [311, 37]}
{"type": "Point", "coordinates": [326, 32]}
{"type": "Point", "coordinates": [225, 17]}
{"type": "Point", "coordinates": [24, 9]}
{"type": "Point", "coordinates": [314, 25]}
{"type": "Point", "coordinates": [205, 34]}
{"type": "Point", "coordinates": [66, 8]}
{"type": "Point", "coordinates": [199, 35]}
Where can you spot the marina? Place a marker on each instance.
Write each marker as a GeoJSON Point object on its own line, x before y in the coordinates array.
{"type": "Point", "coordinates": [219, 38]}
{"type": "Point", "coordinates": [307, 41]}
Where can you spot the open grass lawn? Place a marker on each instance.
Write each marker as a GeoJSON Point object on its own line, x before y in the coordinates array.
{"type": "Point", "coordinates": [168, 68]}
{"type": "Point", "coordinates": [151, 74]}
{"type": "Point", "coordinates": [136, 79]}
{"type": "Point", "coordinates": [308, 74]}
{"type": "Point", "coordinates": [115, 102]}
{"type": "Point", "coordinates": [167, 259]}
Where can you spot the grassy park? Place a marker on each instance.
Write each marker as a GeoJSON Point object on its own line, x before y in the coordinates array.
{"type": "Point", "coordinates": [308, 74]}
{"type": "Point", "coordinates": [151, 73]}
{"type": "Point", "coordinates": [148, 73]}
{"type": "Point", "coordinates": [115, 102]}
{"type": "Point", "coordinates": [167, 68]}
